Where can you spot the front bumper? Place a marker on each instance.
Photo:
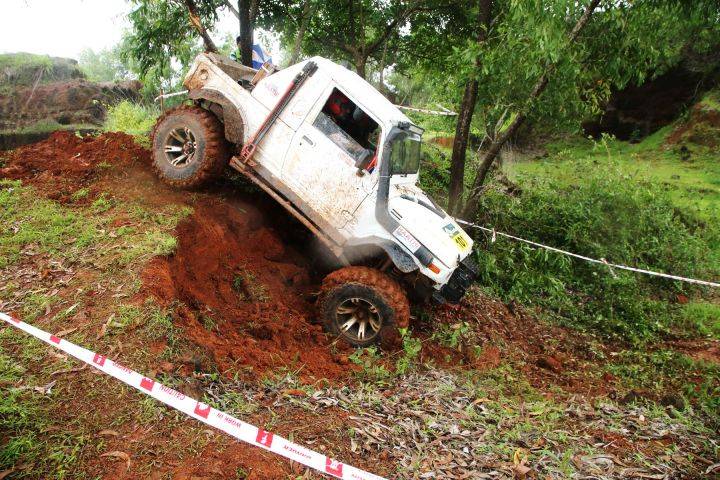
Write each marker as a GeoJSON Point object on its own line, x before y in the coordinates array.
{"type": "Point", "coordinates": [463, 276]}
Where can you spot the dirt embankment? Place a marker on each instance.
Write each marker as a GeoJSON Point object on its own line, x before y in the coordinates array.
{"type": "Point", "coordinates": [41, 94]}
{"type": "Point", "coordinates": [244, 293]}
{"type": "Point", "coordinates": [66, 163]}
{"type": "Point", "coordinates": [239, 291]}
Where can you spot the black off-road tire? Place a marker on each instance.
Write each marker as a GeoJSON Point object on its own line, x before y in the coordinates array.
{"type": "Point", "coordinates": [369, 285]}
{"type": "Point", "coordinates": [212, 151]}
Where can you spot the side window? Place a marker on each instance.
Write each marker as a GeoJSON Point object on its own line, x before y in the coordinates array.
{"type": "Point", "coordinates": [347, 125]}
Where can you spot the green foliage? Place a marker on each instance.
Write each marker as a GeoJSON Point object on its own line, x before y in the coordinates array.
{"type": "Point", "coordinates": [624, 42]}
{"type": "Point", "coordinates": [24, 60]}
{"type": "Point", "coordinates": [602, 214]}
{"type": "Point", "coordinates": [702, 317]}
{"type": "Point", "coordinates": [107, 65]}
{"type": "Point", "coordinates": [162, 36]}
{"type": "Point", "coordinates": [370, 361]}
{"type": "Point", "coordinates": [19, 70]}
{"type": "Point", "coordinates": [411, 349]}
{"type": "Point", "coordinates": [132, 118]}
{"type": "Point", "coordinates": [665, 370]}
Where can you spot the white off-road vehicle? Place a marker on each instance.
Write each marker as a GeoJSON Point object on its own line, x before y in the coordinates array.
{"type": "Point", "coordinates": [342, 159]}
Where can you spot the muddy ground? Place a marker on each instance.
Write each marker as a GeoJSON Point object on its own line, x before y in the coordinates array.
{"type": "Point", "coordinates": [492, 391]}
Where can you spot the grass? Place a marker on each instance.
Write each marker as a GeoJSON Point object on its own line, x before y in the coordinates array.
{"type": "Point", "coordinates": [693, 184]}
{"type": "Point", "coordinates": [703, 317]}
{"type": "Point", "coordinates": [36, 433]}
{"type": "Point", "coordinates": [132, 118]}
{"type": "Point", "coordinates": [24, 69]}
{"type": "Point", "coordinates": [248, 287]}
{"type": "Point", "coordinates": [48, 126]}
{"type": "Point", "coordinates": [40, 226]}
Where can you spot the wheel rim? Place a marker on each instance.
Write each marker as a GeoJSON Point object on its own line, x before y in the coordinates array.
{"type": "Point", "coordinates": [358, 319]}
{"type": "Point", "coordinates": [180, 147]}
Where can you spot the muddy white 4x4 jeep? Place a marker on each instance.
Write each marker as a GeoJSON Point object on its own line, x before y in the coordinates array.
{"type": "Point", "coordinates": [341, 158]}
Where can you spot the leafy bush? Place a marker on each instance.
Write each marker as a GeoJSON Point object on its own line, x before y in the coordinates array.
{"type": "Point", "coordinates": [604, 214]}
{"type": "Point", "coordinates": [132, 118]}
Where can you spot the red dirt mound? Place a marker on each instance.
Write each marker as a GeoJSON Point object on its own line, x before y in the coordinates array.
{"type": "Point", "coordinates": [549, 355]}
{"type": "Point", "coordinates": [701, 129]}
{"type": "Point", "coordinates": [65, 163]}
{"type": "Point", "coordinates": [243, 293]}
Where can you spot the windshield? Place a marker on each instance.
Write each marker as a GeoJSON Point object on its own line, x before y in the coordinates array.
{"type": "Point", "coordinates": [405, 156]}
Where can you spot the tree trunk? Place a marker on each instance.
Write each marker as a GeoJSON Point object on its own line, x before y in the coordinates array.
{"type": "Point", "coordinates": [197, 25]}
{"type": "Point", "coordinates": [307, 13]}
{"type": "Point", "coordinates": [360, 64]}
{"type": "Point", "coordinates": [383, 63]}
{"type": "Point", "coordinates": [462, 134]}
{"type": "Point", "coordinates": [467, 109]}
{"type": "Point", "coordinates": [245, 44]}
{"type": "Point", "coordinates": [492, 153]}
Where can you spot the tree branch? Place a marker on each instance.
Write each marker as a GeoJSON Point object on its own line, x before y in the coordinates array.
{"type": "Point", "coordinates": [197, 25]}
{"type": "Point", "coordinates": [232, 8]}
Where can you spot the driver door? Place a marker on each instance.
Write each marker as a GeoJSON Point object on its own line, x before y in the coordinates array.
{"type": "Point", "coordinates": [320, 165]}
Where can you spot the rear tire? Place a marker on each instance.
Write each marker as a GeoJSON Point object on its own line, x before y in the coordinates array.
{"type": "Point", "coordinates": [189, 147]}
{"type": "Point", "coordinates": [363, 306]}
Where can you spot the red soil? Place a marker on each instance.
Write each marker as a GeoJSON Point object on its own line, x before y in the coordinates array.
{"type": "Point", "coordinates": [700, 129]}
{"type": "Point", "coordinates": [231, 271]}
{"type": "Point", "coordinates": [65, 163]}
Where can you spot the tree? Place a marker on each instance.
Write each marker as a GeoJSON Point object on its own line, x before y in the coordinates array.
{"type": "Point", "coordinates": [351, 30]}
{"type": "Point", "coordinates": [540, 86]}
{"type": "Point", "coordinates": [165, 31]}
{"type": "Point", "coordinates": [245, 12]}
{"type": "Point", "coordinates": [106, 65]}
{"type": "Point", "coordinates": [466, 111]}
{"type": "Point", "coordinates": [198, 25]}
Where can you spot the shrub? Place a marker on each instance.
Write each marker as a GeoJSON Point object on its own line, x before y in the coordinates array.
{"type": "Point", "coordinates": [604, 214]}
{"type": "Point", "coordinates": [132, 118]}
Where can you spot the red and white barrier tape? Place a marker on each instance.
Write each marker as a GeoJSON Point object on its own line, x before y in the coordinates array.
{"type": "Point", "coordinates": [199, 411]}
{"type": "Point", "coordinates": [602, 261]}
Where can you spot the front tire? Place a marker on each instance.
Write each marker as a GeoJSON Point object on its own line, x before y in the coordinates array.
{"type": "Point", "coordinates": [189, 147]}
{"type": "Point", "coordinates": [363, 306]}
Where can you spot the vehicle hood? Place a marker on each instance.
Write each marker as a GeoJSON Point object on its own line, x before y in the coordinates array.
{"type": "Point", "coordinates": [432, 227]}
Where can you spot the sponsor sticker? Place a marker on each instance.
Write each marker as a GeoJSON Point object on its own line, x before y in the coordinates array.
{"type": "Point", "coordinates": [333, 467]}
{"type": "Point", "coordinates": [202, 410]}
{"type": "Point", "coordinates": [147, 384]}
{"type": "Point", "coordinates": [406, 239]}
{"type": "Point", "coordinates": [99, 359]}
{"type": "Point", "coordinates": [264, 438]}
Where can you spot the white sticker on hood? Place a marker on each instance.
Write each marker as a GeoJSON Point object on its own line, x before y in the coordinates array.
{"type": "Point", "coordinates": [406, 239]}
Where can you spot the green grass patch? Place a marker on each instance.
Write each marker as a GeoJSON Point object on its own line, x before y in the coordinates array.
{"type": "Point", "coordinates": [702, 317]}
{"type": "Point", "coordinates": [602, 214]}
{"type": "Point", "coordinates": [691, 179]}
{"type": "Point", "coordinates": [47, 226]}
{"type": "Point", "coordinates": [132, 118]}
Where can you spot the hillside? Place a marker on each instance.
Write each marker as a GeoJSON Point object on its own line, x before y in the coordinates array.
{"type": "Point", "coordinates": [41, 94]}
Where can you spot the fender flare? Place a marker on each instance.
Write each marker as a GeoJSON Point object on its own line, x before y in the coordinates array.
{"type": "Point", "coordinates": [232, 115]}
{"type": "Point", "coordinates": [402, 260]}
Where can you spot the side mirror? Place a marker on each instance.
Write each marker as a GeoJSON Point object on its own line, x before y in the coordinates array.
{"type": "Point", "coordinates": [364, 161]}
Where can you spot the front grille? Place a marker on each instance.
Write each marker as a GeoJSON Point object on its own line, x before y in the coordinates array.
{"type": "Point", "coordinates": [460, 281]}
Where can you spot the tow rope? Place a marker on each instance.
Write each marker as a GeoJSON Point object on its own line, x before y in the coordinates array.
{"type": "Point", "coordinates": [602, 261]}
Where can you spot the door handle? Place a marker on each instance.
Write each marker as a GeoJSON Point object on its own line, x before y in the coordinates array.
{"type": "Point", "coordinates": [308, 140]}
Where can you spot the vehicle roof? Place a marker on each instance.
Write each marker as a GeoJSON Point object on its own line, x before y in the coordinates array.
{"type": "Point", "coordinates": [359, 88]}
